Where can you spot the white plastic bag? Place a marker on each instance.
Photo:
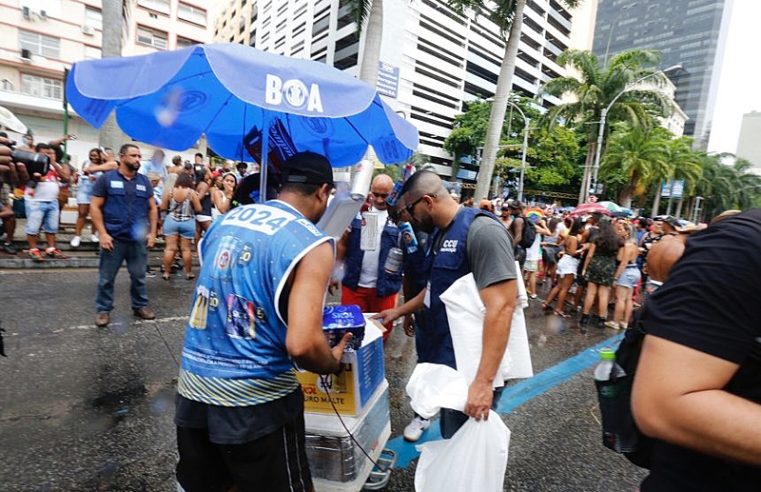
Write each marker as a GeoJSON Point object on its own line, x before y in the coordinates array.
{"type": "Point", "coordinates": [475, 458]}
{"type": "Point", "coordinates": [465, 313]}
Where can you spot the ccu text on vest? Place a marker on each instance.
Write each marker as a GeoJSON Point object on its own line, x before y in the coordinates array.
{"type": "Point", "coordinates": [296, 93]}
{"type": "Point", "coordinates": [449, 246]}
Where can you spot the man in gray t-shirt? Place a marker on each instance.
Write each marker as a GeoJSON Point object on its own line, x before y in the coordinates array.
{"type": "Point", "coordinates": [456, 232]}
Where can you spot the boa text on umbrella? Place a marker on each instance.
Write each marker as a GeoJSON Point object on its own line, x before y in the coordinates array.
{"type": "Point", "coordinates": [295, 93]}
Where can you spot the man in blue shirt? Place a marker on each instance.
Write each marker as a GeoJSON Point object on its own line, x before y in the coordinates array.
{"type": "Point", "coordinates": [257, 309]}
{"type": "Point", "coordinates": [155, 165]}
{"type": "Point", "coordinates": [125, 215]}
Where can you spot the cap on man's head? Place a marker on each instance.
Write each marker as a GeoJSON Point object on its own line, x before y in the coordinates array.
{"type": "Point", "coordinates": [307, 168]}
{"type": "Point", "coordinates": [668, 219]}
{"type": "Point", "coordinates": [514, 204]}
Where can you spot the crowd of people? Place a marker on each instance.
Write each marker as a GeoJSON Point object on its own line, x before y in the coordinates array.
{"type": "Point", "coordinates": [257, 310]}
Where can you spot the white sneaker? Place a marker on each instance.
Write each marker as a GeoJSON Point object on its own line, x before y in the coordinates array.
{"type": "Point", "coordinates": [94, 238]}
{"type": "Point", "coordinates": [75, 241]}
{"type": "Point", "coordinates": [415, 428]}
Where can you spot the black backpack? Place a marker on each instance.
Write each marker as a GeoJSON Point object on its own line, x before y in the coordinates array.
{"type": "Point", "coordinates": [529, 233]}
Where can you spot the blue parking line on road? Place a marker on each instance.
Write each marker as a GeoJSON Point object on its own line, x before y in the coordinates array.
{"type": "Point", "coordinates": [514, 395]}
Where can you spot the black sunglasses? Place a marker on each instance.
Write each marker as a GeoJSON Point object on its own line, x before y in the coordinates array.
{"type": "Point", "coordinates": [409, 208]}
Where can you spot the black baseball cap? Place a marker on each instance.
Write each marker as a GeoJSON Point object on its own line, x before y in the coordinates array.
{"type": "Point", "coordinates": [307, 168]}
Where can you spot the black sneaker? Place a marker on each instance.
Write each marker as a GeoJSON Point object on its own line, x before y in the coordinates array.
{"type": "Point", "coordinates": [10, 248]}
{"type": "Point", "coordinates": [150, 273]}
{"type": "Point", "coordinates": [584, 319]}
{"type": "Point", "coordinates": [601, 323]}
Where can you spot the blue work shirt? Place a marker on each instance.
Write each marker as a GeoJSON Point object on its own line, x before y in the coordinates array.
{"type": "Point", "coordinates": [125, 211]}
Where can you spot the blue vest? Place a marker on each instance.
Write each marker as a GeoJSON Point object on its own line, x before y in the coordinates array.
{"type": "Point", "coordinates": [387, 284]}
{"type": "Point", "coordinates": [125, 211]}
{"type": "Point", "coordinates": [234, 352]}
{"type": "Point", "coordinates": [445, 267]}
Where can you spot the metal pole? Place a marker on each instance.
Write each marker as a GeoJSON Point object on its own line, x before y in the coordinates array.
{"type": "Point", "coordinates": [527, 121]}
{"type": "Point", "coordinates": [598, 149]}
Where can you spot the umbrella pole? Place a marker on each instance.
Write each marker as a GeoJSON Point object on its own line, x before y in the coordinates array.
{"type": "Point", "coordinates": [265, 158]}
{"type": "Point", "coordinates": [65, 113]}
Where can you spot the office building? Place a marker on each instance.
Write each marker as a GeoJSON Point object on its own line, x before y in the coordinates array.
{"type": "Point", "coordinates": [432, 58]}
{"type": "Point", "coordinates": [690, 33]}
{"type": "Point", "coordinates": [749, 143]}
{"type": "Point", "coordinates": [42, 38]}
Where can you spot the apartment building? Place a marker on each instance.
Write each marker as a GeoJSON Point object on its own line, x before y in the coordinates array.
{"type": "Point", "coordinates": [433, 59]}
{"type": "Point", "coordinates": [42, 38]}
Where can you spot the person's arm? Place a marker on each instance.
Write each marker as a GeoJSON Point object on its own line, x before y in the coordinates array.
{"type": "Point", "coordinates": [499, 300]}
{"type": "Point", "coordinates": [542, 229]}
{"type": "Point", "coordinates": [518, 231]}
{"type": "Point", "coordinates": [196, 202]}
{"type": "Point", "coordinates": [202, 189]}
{"type": "Point", "coordinates": [153, 218]}
{"type": "Point", "coordinates": [304, 338]}
{"type": "Point", "coordinates": [409, 307]}
{"type": "Point", "coordinates": [621, 257]}
{"type": "Point", "coordinates": [590, 255]}
{"type": "Point", "coordinates": [108, 166]}
{"type": "Point", "coordinates": [63, 171]}
{"type": "Point", "coordinates": [678, 397]}
{"type": "Point", "coordinates": [96, 214]}
{"type": "Point", "coordinates": [60, 140]}
{"type": "Point", "coordinates": [165, 201]}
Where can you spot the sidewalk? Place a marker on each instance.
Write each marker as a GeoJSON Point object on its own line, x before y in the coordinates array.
{"type": "Point", "coordinates": [85, 256]}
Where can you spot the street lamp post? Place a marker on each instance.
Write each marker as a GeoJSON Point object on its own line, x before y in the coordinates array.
{"type": "Point", "coordinates": [604, 116]}
{"type": "Point", "coordinates": [526, 122]}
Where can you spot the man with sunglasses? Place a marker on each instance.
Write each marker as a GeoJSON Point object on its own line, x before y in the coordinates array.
{"type": "Point", "coordinates": [366, 282]}
{"type": "Point", "coordinates": [463, 241]}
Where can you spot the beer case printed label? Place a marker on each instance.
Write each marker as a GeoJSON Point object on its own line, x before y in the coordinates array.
{"type": "Point", "coordinates": [225, 258]}
{"type": "Point", "coordinates": [199, 313]}
{"type": "Point", "coordinates": [241, 317]}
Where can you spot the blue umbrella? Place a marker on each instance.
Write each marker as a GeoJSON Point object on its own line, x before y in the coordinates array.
{"type": "Point", "coordinates": [234, 94]}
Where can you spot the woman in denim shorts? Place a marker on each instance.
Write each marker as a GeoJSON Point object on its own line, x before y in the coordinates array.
{"type": "Point", "coordinates": [181, 205]}
{"type": "Point", "coordinates": [627, 277]}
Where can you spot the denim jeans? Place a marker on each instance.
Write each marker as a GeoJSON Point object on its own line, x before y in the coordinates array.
{"type": "Point", "coordinates": [136, 255]}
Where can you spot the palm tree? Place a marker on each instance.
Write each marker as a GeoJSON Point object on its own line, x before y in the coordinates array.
{"type": "Point", "coordinates": [597, 86]}
{"type": "Point", "coordinates": [369, 13]}
{"type": "Point", "coordinates": [110, 134]}
{"type": "Point", "coordinates": [685, 166]}
{"type": "Point", "coordinates": [638, 155]}
{"type": "Point", "coordinates": [726, 187]}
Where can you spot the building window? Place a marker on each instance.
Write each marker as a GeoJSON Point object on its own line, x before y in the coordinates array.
{"type": "Point", "coordinates": [7, 85]}
{"type": "Point", "coordinates": [39, 44]}
{"type": "Point", "coordinates": [157, 5]}
{"type": "Point", "coordinates": [191, 14]}
{"type": "Point", "coordinates": [184, 42]}
{"type": "Point", "coordinates": [92, 53]}
{"type": "Point", "coordinates": [41, 86]}
{"type": "Point", "coordinates": [151, 38]}
{"type": "Point", "coordinates": [93, 18]}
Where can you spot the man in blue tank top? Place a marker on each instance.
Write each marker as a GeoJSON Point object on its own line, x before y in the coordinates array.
{"type": "Point", "coordinates": [463, 240]}
{"type": "Point", "coordinates": [257, 309]}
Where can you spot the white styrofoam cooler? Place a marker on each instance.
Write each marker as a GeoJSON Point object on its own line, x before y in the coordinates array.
{"type": "Point", "coordinates": [336, 462]}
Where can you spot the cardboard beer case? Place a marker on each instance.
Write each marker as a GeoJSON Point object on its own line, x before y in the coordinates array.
{"type": "Point", "coordinates": [352, 388]}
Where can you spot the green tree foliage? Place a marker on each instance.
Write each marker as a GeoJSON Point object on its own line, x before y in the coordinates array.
{"type": "Point", "coordinates": [596, 86]}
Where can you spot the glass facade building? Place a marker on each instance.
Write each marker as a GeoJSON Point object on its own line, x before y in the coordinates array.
{"type": "Point", "coordinates": [691, 33]}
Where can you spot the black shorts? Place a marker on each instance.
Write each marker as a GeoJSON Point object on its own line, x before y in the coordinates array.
{"type": "Point", "coordinates": [274, 462]}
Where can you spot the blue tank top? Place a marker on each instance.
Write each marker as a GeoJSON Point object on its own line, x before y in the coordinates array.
{"type": "Point", "coordinates": [234, 352]}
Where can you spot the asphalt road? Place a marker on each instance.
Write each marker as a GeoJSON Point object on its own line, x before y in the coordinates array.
{"type": "Point", "coordinates": [83, 408]}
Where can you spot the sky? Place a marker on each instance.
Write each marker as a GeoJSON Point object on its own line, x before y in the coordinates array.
{"type": "Point", "coordinates": [739, 89]}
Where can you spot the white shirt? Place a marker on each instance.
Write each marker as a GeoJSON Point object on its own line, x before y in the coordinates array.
{"type": "Point", "coordinates": [368, 276]}
{"type": "Point", "coordinates": [534, 253]}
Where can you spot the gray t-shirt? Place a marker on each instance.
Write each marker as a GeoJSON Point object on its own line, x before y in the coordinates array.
{"type": "Point", "coordinates": [490, 252]}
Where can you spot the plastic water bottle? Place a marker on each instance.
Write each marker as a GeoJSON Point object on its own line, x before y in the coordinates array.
{"type": "Point", "coordinates": [608, 369]}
